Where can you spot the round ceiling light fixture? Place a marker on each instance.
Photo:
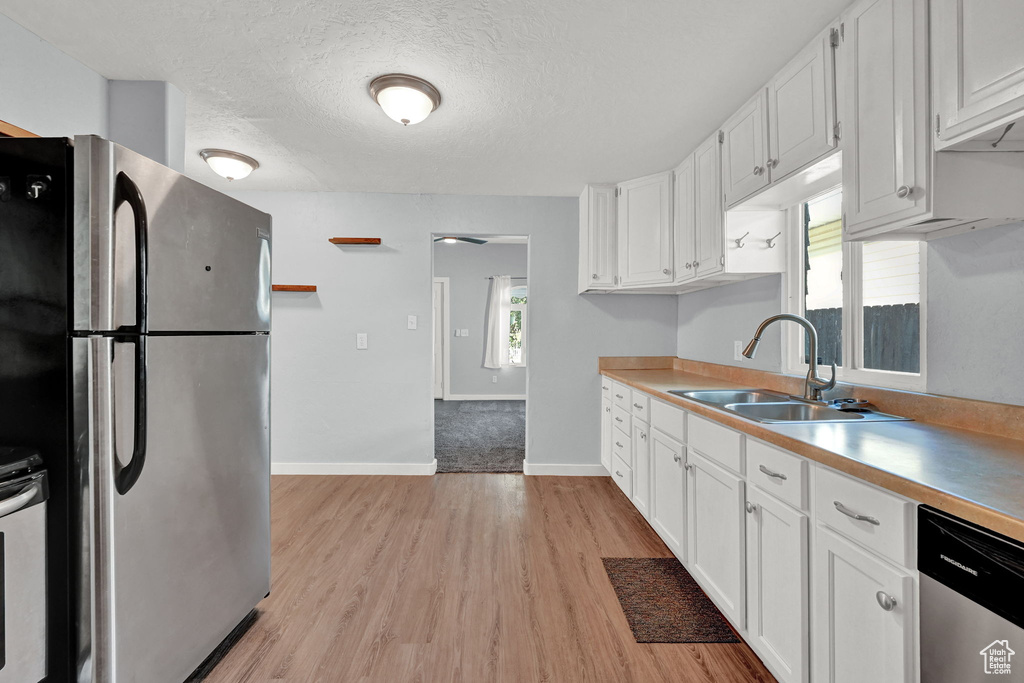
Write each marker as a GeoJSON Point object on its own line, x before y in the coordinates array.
{"type": "Point", "coordinates": [405, 99]}
{"type": "Point", "coordinates": [230, 165]}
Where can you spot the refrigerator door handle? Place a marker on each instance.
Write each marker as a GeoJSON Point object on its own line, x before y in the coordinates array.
{"type": "Point", "coordinates": [125, 190]}
{"type": "Point", "coordinates": [125, 476]}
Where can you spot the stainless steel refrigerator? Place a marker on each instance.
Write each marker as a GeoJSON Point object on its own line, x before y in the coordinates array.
{"type": "Point", "coordinates": [167, 355]}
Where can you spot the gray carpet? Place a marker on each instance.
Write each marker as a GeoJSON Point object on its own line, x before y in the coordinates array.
{"type": "Point", "coordinates": [479, 436]}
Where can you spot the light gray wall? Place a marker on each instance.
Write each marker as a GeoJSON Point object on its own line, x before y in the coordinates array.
{"type": "Point", "coordinates": [332, 403]}
{"type": "Point", "coordinates": [711, 320]}
{"type": "Point", "coordinates": [469, 266]}
{"type": "Point", "coordinates": [149, 118]}
{"type": "Point", "coordinates": [975, 317]}
{"type": "Point", "coordinates": [45, 91]}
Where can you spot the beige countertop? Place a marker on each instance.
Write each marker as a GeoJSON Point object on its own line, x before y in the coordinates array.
{"type": "Point", "coordinates": [971, 474]}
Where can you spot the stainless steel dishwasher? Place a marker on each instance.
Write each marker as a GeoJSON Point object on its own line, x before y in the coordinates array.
{"type": "Point", "coordinates": [23, 495]}
{"type": "Point", "coordinates": [972, 601]}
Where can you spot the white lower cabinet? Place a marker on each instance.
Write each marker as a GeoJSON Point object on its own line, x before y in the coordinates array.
{"type": "Point", "coordinates": [641, 468]}
{"type": "Point", "coordinates": [715, 510]}
{"type": "Point", "coordinates": [863, 615]}
{"type": "Point", "coordinates": [606, 433]}
{"type": "Point", "coordinates": [668, 491]}
{"type": "Point", "coordinates": [778, 585]}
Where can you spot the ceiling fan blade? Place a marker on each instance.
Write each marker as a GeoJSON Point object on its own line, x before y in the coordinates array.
{"type": "Point", "coordinates": [472, 240]}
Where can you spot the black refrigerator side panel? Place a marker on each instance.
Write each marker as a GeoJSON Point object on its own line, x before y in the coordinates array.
{"type": "Point", "coordinates": [34, 350]}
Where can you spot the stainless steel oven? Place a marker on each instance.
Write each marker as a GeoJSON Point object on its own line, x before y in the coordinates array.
{"type": "Point", "coordinates": [972, 601]}
{"type": "Point", "coordinates": [23, 494]}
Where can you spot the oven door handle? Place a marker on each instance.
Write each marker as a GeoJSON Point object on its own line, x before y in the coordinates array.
{"type": "Point", "coordinates": [19, 501]}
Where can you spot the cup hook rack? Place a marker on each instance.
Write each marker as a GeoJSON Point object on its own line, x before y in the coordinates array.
{"type": "Point", "coordinates": [771, 240]}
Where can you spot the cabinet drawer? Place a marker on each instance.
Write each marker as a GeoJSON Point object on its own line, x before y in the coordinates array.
{"type": "Point", "coordinates": [876, 519]}
{"type": "Point", "coordinates": [622, 446]}
{"type": "Point", "coordinates": [719, 443]}
{"type": "Point", "coordinates": [622, 418]}
{"type": "Point", "coordinates": [623, 475]}
{"type": "Point", "coordinates": [777, 472]}
{"type": "Point", "coordinates": [668, 419]}
{"type": "Point", "coordinates": [641, 405]}
{"type": "Point", "coordinates": [621, 395]}
{"type": "Point", "coordinates": [606, 387]}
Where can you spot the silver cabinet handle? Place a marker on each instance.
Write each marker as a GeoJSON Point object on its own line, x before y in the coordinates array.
{"type": "Point", "coordinates": [618, 395]}
{"type": "Point", "coordinates": [607, 410]}
{"type": "Point", "coordinates": [15, 503]}
{"type": "Point", "coordinates": [618, 419]}
{"type": "Point", "coordinates": [637, 405]}
{"type": "Point", "coordinates": [772, 163]}
{"type": "Point", "coordinates": [595, 276]}
{"type": "Point", "coordinates": [677, 457]}
{"type": "Point", "coordinates": [618, 474]}
{"type": "Point", "coordinates": [750, 507]}
{"type": "Point", "coordinates": [687, 466]}
{"type": "Point", "coordinates": [696, 264]}
{"type": "Point", "coordinates": [643, 435]}
{"type": "Point", "coordinates": [885, 601]}
{"type": "Point", "coordinates": [619, 444]}
{"type": "Point", "coordinates": [666, 271]}
{"type": "Point", "coordinates": [903, 192]}
{"type": "Point", "coordinates": [776, 475]}
{"type": "Point", "coordinates": [850, 513]}
{"type": "Point", "coordinates": [689, 265]}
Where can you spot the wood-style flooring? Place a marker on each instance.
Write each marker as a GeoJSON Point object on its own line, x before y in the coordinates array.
{"type": "Point", "coordinates": [458, 578]}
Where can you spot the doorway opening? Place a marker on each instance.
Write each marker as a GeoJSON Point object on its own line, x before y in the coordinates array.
{"type": "Point", "coordinates": [481, 353]}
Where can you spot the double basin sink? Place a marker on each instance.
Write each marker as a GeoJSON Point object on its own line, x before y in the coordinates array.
{"type": "Point", "coordinates": [767, 406]}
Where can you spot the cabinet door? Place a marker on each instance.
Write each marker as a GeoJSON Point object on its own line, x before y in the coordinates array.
{"type": "Point", "coordinates": [715, 533]}
{"type": "Point", "coordinates": [668, 492]}
{"type": "Point", "coordinates": [885, 145]}
{"type": "Point", "coordinates": [709, 213]}
{"type": "Point", "coordinates": [745, 150]}
{"type": "Point", "coordinates": [641, 467]}
{"type": "Point", "coordinates": [801, 110]}
{"type": "Point", "coordinates": [856, 639]}
{"type": "Point", "coordinates": [979, 72]}
{"type": "Point", "coordinates": [597, 238]}
{"type": "Point", "coordinates": [683, 218]}
{"type": "Point", "coordinates": [777, 585]}
{"type": "Point", "coordinates": [645, 230]}
{"type": "Point", "coordinates": [606, 433]}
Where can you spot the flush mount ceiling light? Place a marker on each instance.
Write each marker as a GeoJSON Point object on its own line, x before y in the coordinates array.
{"type": "Point", "coordinates": [230, 165]}
{"type": "Point", "coordinates": [405, 98]}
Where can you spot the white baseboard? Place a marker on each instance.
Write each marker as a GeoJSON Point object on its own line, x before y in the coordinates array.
{"type": "Point", "coordinates": [485, 397]}
{"type": "Point", "coordinates": [392, 468]}
{"type": "Point", "coordinates": [555, 470]}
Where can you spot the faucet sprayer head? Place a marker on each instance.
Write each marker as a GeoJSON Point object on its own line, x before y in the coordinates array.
{"type": "Point", "coordinates": [751, 347]}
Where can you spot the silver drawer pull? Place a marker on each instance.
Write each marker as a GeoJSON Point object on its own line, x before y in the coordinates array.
{"type": "Point", "coordinates": [638, 406]}
{"type": "Point", "coordinates": [619, 444]}
{"type": "Point", "coordinates": [607, 410]}
{"type": "Point", "coordinates": [618, 395]}
{"type": "Point", "coordinates": [618, 474]}
{"type": "Point", "coordinates": [885, 601]}
{"type": "Point", "coordinates": [618, 419]}
{"type": "Point", "coordinates": [776, 475]}
{"type": "Point", "coordinates": [850, 513]}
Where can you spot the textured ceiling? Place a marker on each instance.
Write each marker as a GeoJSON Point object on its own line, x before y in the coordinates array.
{"type": "Point", "coordinates": [538, 96]}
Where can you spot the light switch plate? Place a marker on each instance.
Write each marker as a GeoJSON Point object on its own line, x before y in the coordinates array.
{"type": "Point", "coordinates": [412, 322]}
{"type": "Point", "coordinates": [737, 350]}
{"type": "Point", "coordinates": [361, 341]}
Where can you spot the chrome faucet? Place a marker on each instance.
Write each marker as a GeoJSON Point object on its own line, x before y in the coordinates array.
{"type": "Point", "coordinates": [814, 386]}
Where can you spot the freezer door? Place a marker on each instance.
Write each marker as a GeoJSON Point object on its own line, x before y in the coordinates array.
{"type": "Point", "coordinates": [148, 240]}
{"type": "Point", "coordinates": [173, 563]}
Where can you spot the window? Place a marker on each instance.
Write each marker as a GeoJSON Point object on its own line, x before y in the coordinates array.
{"type": "Point", "coordinates": [864, 298]}
{"type": "Point", "coordinates": [517, 327]}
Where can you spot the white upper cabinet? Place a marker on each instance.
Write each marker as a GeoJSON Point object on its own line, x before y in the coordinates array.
{"type": "Point", "coordinates": [801, 109]}
{"type": "Point", "coordinates": [885, 149]}
{"type": "Point", "coordinates": [978, 67]}
{"type": "Point", "coordinates": [597, 267]}
{"type": "Point", "coordinates": [709, 214]}
{"type": "Point", "coordinates": [683, 218]}
{"type": "Point", "coordinates": [745, 150]}
{"type": "Point", "coordinates": [645, 230]}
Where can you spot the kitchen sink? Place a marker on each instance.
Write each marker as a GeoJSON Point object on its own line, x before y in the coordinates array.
{"type": "Point", "coordinates": [762, 405]}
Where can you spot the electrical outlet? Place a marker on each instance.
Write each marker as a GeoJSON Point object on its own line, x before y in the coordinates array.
{"type": "Point", "coordinates": [412, 322]}
{"type": "Point", "coordinates": [361, 341]}
{"type": "Point", "coordinates": [737, 350]}
{"type": "Point", "coordinates": [465, 332]}
{"type": "Point", "coordinates": [494, 379]}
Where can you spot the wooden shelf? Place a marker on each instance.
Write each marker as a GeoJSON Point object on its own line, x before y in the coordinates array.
{"type": "Point", "coordinates": [293, 288]}
{"type": "Point", "coordinates": [355, 240]}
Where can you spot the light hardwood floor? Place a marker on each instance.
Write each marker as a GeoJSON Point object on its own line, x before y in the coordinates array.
{"type": "Point", "coordinates": [458, 577]}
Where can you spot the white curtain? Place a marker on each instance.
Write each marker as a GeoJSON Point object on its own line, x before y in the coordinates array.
{"type": "Point", "coordinates": [499, 308]}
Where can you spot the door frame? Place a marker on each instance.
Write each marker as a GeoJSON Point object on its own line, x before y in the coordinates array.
{"type": "Point", "coordinates": [446, 358]}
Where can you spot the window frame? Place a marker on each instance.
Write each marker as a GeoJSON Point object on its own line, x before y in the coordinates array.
{"type": "Point", "coordinates": [853, 370]}
{"type": "Point", "coordinates": [523, 309]}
